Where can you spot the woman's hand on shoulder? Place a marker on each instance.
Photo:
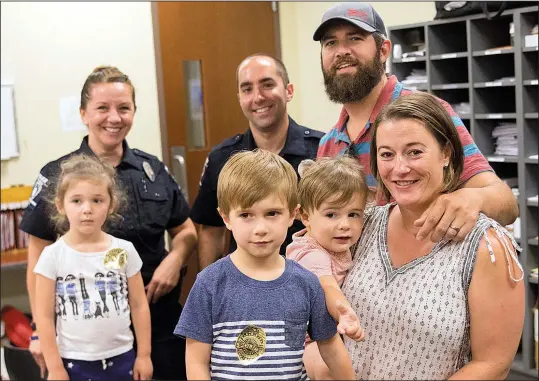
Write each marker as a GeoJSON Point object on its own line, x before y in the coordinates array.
{"type": "Point", "coordinates": [143, 368]}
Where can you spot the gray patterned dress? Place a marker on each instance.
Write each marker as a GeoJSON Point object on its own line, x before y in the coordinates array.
{"type": "Point", "coordinates": [415, 317]}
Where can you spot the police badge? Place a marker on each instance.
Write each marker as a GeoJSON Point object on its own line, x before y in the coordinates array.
{"type": "Point", "coordinates": [149, 171]}
{"type": "Point", "coordinates": [115, 259]}
{"type": "Point", "coordinates": [251, 344]}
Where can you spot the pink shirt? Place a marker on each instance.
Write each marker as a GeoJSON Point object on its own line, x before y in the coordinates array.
{"type": "Point", "coordinates": [307, 252]}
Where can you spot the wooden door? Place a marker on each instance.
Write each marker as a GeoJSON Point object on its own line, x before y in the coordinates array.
{"type": "Point", "coordinates": [198, 48]}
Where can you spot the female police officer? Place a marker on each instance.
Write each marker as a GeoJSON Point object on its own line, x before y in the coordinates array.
{"type": "Point", "coordinates": [155, 205]}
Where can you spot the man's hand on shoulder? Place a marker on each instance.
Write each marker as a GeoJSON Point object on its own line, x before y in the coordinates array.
{"type": "Point", "coordinates": [451, 216]}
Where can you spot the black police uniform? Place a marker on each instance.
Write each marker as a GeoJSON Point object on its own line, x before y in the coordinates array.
{"type": "Point", "coordinates": [301, 143]}
{"type": "Point", "coordinates": [153, 206]}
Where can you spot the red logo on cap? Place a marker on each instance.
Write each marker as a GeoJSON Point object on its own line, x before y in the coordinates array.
{"type": "Point", "coordinates": [356, 13]}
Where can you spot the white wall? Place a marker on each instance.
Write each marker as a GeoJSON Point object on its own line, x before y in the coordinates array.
{"type": "Point", "coordinates": [301, 55]}
{"type": "Point", "coordinates": [48, 49]}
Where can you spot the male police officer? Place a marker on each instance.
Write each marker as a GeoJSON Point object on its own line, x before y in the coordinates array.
{"type": "Point", "coordinates": [263, 92]}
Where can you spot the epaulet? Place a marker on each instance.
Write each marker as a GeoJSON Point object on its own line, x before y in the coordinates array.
{"type": "Point", "coordinates": [310, 133]}
{"type": "Point", "coordinates": [52, 168]}
{"type": "Point", "coordinates": [228, 142]}
{"type": "Point", "coordinates": [143, 154]}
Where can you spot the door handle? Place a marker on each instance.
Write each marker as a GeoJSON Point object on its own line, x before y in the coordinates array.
{"type": "Point", "coordinates": [180, 171]}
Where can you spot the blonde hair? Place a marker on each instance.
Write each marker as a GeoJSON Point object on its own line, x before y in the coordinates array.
{"type": "Point", "coordinates": [85, 167]}
{"type": "Point", "coordinates": [250, 176]}
{"type": "Point", "coordinates": [431, 112]}
{"type": "Point", "coordinates": [104, 74]}
{"type": "Point", "coordinates": [330, 177]}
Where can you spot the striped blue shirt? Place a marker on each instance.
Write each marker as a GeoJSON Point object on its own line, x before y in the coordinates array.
{"type": "Point", "coordinates": [257, 329]}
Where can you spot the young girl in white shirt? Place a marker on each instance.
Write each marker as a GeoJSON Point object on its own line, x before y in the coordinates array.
{"type": "Point", "coordinates": [92, 282]}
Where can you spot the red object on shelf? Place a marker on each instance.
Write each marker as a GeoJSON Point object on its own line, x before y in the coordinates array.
{"type": "Point", "coordinates": [18, 329]}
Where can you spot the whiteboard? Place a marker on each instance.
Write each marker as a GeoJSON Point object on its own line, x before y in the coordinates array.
{"type": "Point", "coordinates": [9, 148]}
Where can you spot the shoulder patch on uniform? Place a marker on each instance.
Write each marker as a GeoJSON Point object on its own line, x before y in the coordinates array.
{"type": "Point", "coordinates": [172, 176]}
{"type": "Point", "coordinates": [204, 170]}
{"type": "Point", "coordinates": [229, 142]}
{"type": "Point", "coordinates": [41, 182]}
{"type": "Point", "coordinates": [143, 154]}
{"type": "Point", "coordinates": [310, 133]}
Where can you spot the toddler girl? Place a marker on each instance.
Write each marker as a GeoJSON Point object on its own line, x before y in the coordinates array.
{"type": "Point", "coordinates": [332, 195]}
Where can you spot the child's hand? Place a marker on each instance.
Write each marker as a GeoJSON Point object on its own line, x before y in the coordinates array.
{"type": "Point", "coordinates": [59, 374]}
{"type": "Point", "coordinates": [37, 353]}
{"type": "Point", "coordinates": [349, 323]}
{"type": "Point", "coordinates": [143, 369]}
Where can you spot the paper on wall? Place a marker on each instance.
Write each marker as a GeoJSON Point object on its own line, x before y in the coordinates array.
{"type": "Point", "coordinates": [69, 114]}
{"type": "Point", "coordinates": [9, 147]}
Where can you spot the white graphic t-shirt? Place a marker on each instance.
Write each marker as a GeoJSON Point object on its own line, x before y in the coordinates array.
{"type": "Point", "coordinates": [92, 305]}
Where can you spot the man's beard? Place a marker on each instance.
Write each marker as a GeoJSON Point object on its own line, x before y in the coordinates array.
{"type": "Point", "coordinates": [349, 88]}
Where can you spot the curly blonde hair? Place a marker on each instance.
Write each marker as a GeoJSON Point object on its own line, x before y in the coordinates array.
{"type": "Point", "coordinates": [85, 167]}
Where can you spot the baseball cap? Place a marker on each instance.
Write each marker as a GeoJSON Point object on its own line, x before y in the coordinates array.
{"type": "Point", "coordinates": [362, 15]}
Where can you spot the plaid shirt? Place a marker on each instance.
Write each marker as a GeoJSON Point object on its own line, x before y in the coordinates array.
{"type": "Point", "coordinates": [337, 142]}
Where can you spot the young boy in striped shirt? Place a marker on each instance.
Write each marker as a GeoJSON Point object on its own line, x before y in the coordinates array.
{"type": "Point", "coordinates": [247, 314]}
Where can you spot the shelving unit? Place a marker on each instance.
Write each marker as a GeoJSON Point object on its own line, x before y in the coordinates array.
{"type": "Point", "coordinates": [13, 250]}
{"type": "Point", "coordinates": [12, 259]}
{"type": "Point", "coordinates": [475, 60]}
{"type": "Point", "coordinates": [14, 265]}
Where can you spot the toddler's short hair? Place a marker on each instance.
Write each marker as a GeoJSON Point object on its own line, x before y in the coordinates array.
{"type": "Point", "coordinates": [250, 176]}
{"type": "Point", "coordinates": [330, 177]}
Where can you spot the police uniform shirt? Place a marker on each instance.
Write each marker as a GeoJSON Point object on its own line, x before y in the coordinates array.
{"type": "Point", "coordinates": [153, 205]}
{"type": "Point", "coordinates": [301, 143]}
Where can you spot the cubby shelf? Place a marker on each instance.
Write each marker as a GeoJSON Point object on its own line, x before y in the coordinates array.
{"type": "Point", "coordinates": [447, 56]}
{"type": "Point", "coordinates": [474, 61]}
{"type": "Point", "coordinates": [451, 86]}
{"type": "Point", "coordinates": [410, 59]}
{"type": "Point", "coordinates": [502, 159]}
{"type": "Point", "coordinates": [419, 86]}
{"type": "Point", "coordinates": [13, 265]}
{"type": "Point", "coordinates": [496, 116]}
{"type": "Point", "coordinates": [518, 365]}
{"type": "Point", "coordinates": [492, 52]}
{"type": "Point", "coordinates": [494, 84]}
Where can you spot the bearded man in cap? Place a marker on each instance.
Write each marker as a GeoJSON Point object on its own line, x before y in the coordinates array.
{"type": "Point", "coordinates": [354, 51]}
